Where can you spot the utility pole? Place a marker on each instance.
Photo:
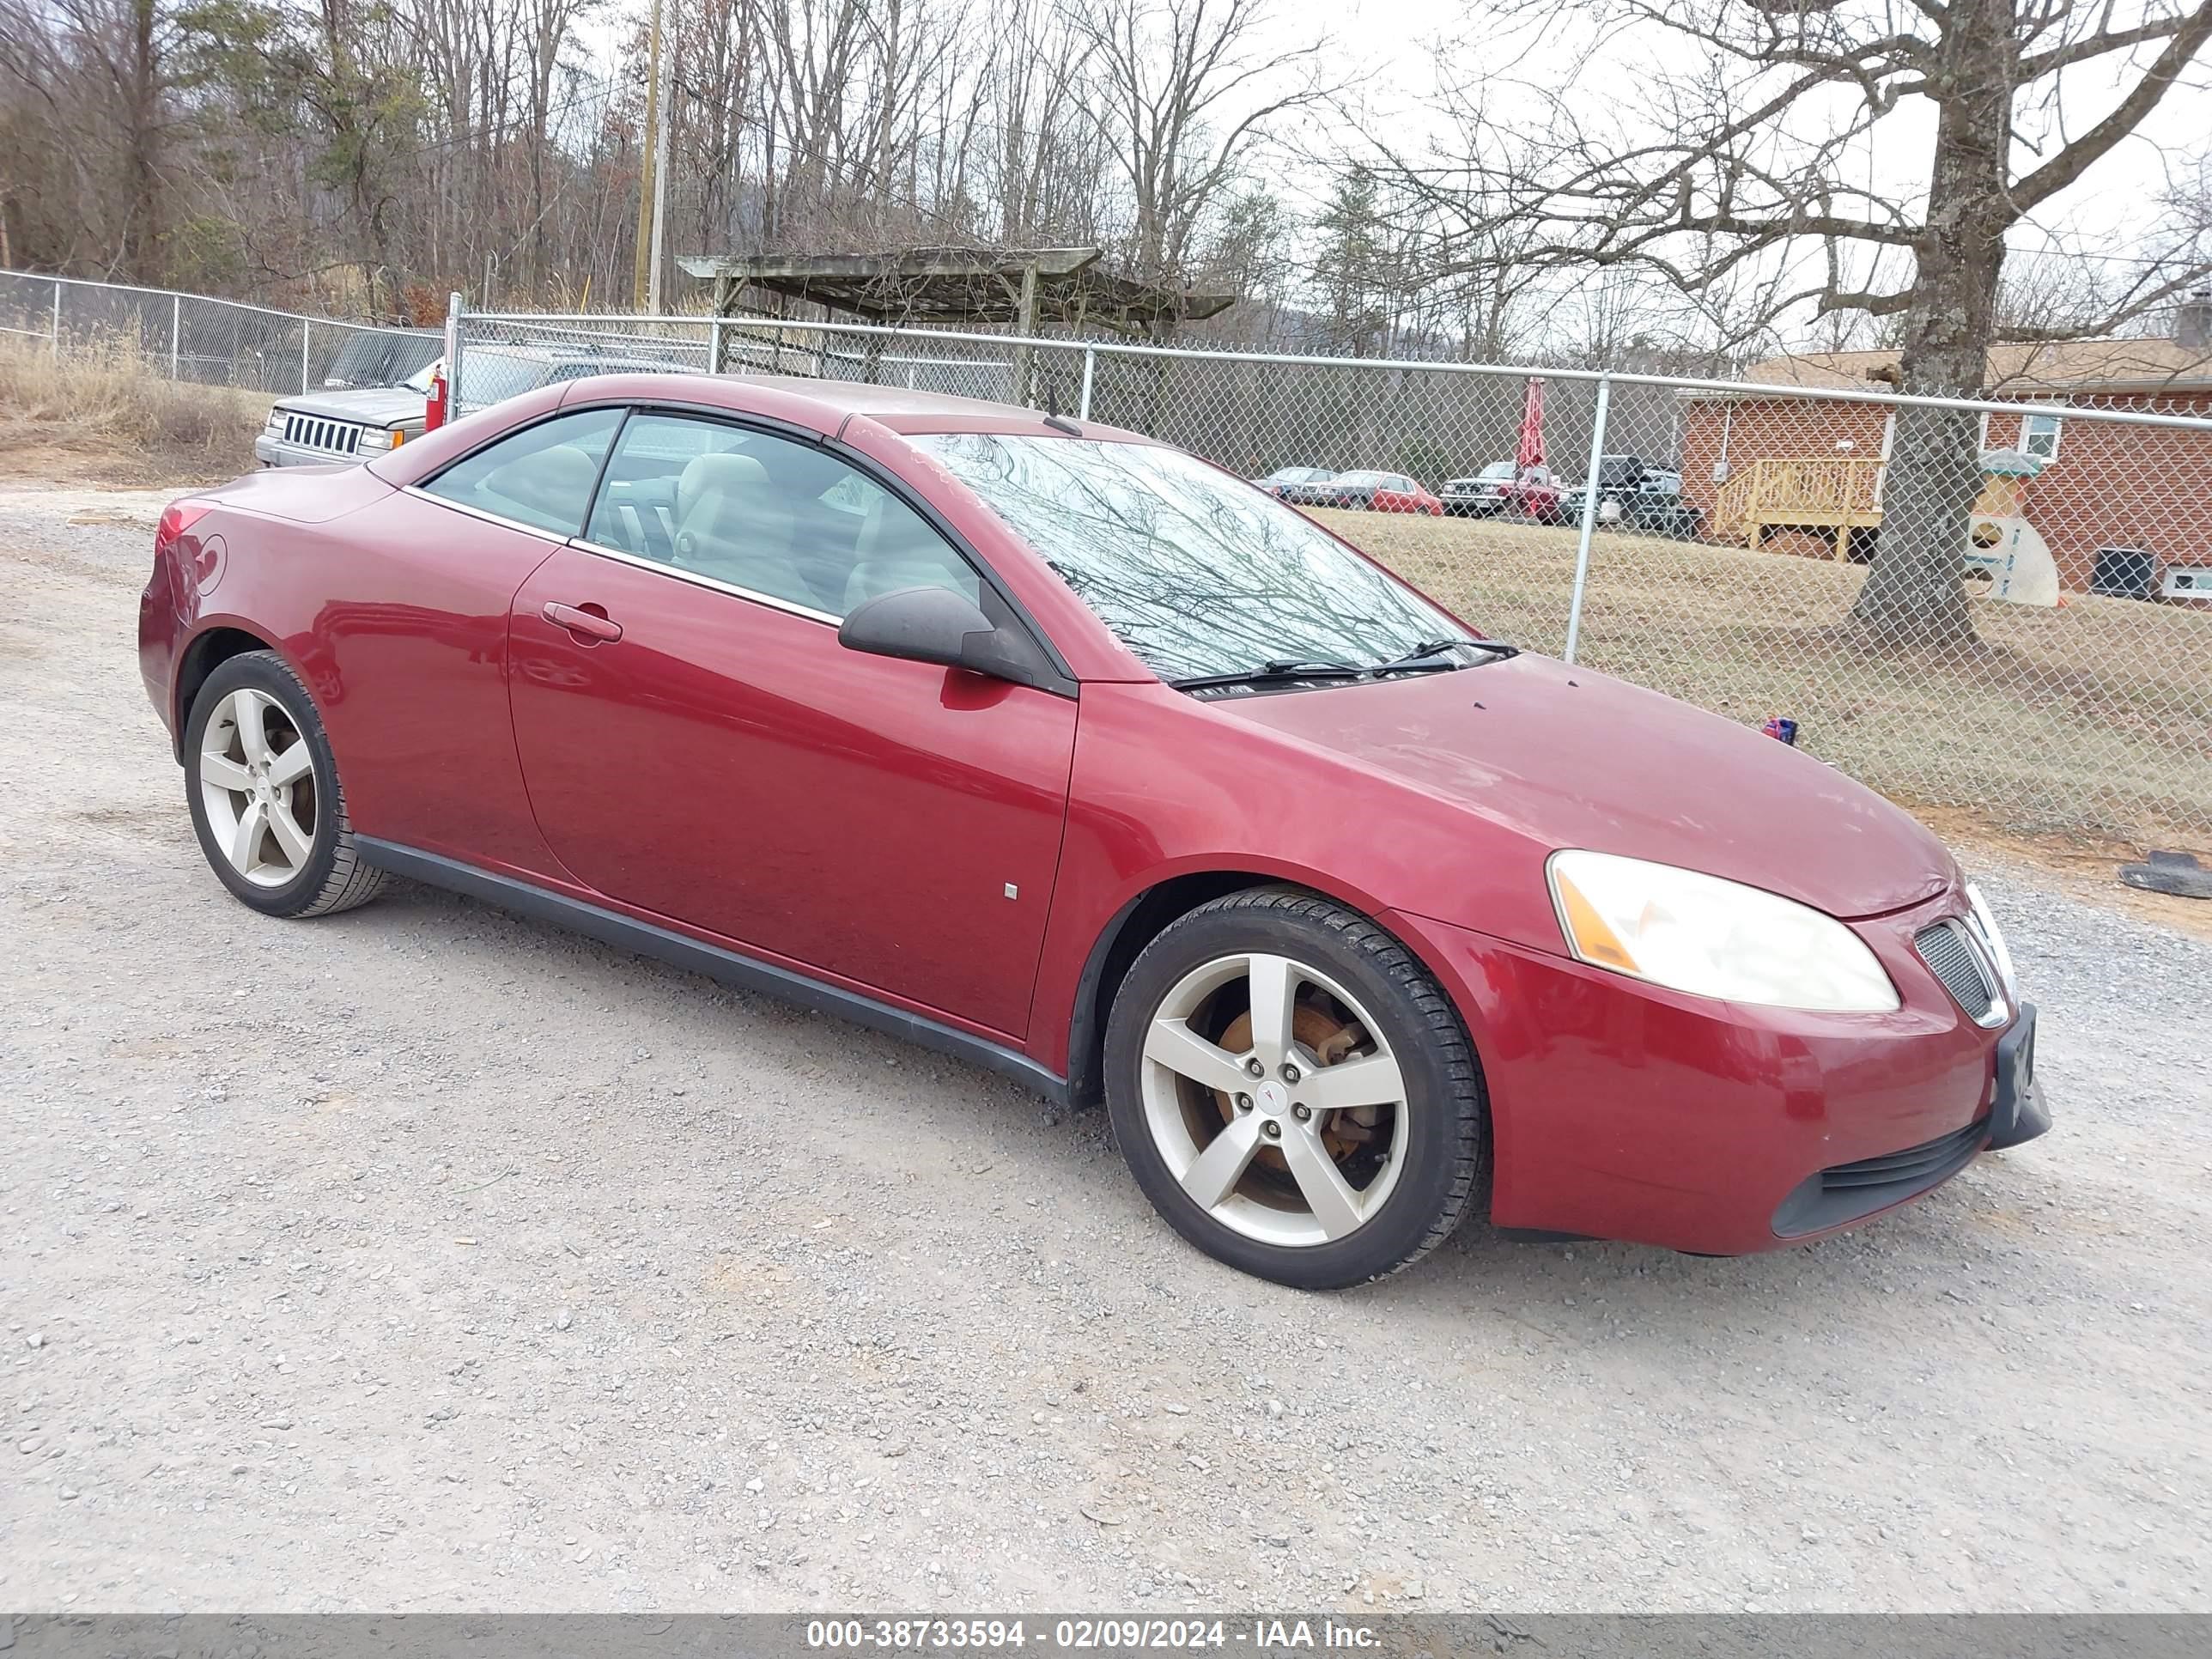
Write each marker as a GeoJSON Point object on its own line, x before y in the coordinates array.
{"type": "Point", "coordinates": [667, 102]}
{"type": "Point", "coordinates": [643, 270]}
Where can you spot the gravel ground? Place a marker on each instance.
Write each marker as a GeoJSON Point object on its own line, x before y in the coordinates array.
{"type": "Point", "coordinates": [425, 1258]}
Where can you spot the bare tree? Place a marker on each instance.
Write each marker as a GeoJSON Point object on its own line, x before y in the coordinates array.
{"type": "Point", "coordinates": [92, 151]}
{"type": "Point", "coordinates": [1186, 88]}
{"type": "Point", "coordinates": [374, 154]}
{"type": "Point", "coordinates": [1749, 150]}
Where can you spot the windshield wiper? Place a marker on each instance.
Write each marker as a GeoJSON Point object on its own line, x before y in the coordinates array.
{"type": "Point", "coordinates": [1428, 656]}
{"type": "Point", "coordinates": [1270, 673]}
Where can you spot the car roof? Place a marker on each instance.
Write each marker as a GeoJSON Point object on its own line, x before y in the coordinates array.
{"type": "Point", "coordinates": [827, 405]}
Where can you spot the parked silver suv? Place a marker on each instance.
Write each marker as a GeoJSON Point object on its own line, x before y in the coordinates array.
{"type": "Point", "coordinates": [326, 428]}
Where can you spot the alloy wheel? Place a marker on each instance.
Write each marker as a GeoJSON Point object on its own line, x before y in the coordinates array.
{"type": "Point", "coordinates": [1274, 1100]}
{"type": "Point", "coordinates": [256, 780]}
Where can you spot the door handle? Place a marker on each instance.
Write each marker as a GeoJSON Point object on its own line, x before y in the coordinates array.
{"type": "Point", "coordinates": [588, 620]}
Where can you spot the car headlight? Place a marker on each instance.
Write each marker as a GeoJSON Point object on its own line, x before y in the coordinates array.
{"type": "Point", "coordinates": [378, 438]}
{"type": "Point", "coordinates": [276, 422]}
{"type": "Point", "coordinates": [1994, 941]}
{"type": "Point", "coordinates": [1712, 938]}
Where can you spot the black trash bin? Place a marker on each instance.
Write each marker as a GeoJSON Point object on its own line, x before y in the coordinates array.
{"type": "Point", "coordinates": [2123, 572]}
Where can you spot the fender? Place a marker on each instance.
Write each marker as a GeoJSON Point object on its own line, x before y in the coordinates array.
{"type": "Point", "coordinates": [1148, 905]}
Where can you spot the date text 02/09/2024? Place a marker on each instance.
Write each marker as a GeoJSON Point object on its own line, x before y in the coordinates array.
{"type": "Point", "coordinates": [1088, 1634]}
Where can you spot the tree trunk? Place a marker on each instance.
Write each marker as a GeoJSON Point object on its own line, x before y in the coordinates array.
{"type": "Point", "coordinates": [1914, 593]}
{"type": "Point", "coordinates": [142, 234]}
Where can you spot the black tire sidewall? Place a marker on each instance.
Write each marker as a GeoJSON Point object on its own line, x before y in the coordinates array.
{"type": "Point", "coordinates": [1434, 1106]}
{"type": "Point", "coordinates": [262, 671]}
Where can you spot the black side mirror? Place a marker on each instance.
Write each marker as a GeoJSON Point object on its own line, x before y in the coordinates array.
{"type": "Point", "coordinates": [935, 625]}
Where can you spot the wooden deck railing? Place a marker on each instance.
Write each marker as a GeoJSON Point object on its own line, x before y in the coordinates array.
{"type": "Point", "coordinates": [1825, 492]}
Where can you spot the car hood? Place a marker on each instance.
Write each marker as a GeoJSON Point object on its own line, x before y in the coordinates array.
{"type": "Point", "coordinates": [373, 406]}
{"type": "Point", "coordinates": [1572, 758]}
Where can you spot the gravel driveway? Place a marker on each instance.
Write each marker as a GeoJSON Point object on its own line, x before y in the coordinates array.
{"type": "Point", "coordinates": [425, 1258]}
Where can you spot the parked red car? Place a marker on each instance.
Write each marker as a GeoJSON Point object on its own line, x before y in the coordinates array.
{"type": "Point", "coordinates": [1063, 751]}
{"type": "Point", "coordinates": [1539, 499]}
{"type": "Point", "coordinates": [1380, 492]}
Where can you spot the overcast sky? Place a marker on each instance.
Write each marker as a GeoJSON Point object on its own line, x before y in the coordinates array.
{"type": "Point", "coordinates": [1390, 49]}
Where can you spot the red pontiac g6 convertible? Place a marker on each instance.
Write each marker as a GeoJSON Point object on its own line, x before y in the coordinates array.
{"type": "Point", "coordinates": [1064, 751]}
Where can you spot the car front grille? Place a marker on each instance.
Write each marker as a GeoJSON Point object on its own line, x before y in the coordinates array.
{"type": "Point", "coordinates": [1955, 954]}
{"type": "Point", "coordinates": [317, 432]}
{"type": "Point", "coordinates": [1845, 1192]}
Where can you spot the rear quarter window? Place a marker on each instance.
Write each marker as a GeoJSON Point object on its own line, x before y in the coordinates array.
{"type": "Point", "coordinates": [541, 476]}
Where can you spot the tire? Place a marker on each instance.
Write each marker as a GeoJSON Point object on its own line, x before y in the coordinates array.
{"type": "Point", "coordinates": [1259, 1159]}
{"type": "Point", "coordinates": [255, 749]}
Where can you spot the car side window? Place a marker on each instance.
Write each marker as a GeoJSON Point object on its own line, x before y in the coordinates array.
{"type": "Point", "coordinates": [772, 515]}
{"type": "Point", "coordinates": [541, 476]}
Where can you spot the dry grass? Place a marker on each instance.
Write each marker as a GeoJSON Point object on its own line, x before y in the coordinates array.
{"type": "Point", "coordinates": [105, 414]}
{"type": "Point", "coordinates": [2090, 720]}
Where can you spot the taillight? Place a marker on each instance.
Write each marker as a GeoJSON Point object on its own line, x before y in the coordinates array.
{"type": "Point", "coordinates": [176, 518]}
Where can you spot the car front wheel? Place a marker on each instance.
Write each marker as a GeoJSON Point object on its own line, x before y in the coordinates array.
{"type": "Point", "coordinates": [264, 791]}
{"type": "Point", "coordinates": [1293, 1091]}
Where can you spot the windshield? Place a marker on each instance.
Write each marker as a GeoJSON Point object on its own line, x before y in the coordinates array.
{"type": "Point", "coordinates": [488, 376]}
{"type": "Point", "coordinates": [1195, 571]}
{"type": "Point", "coordinates": [491, 377]}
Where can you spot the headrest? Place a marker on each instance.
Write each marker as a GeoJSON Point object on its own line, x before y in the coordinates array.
{"type": "Point", "coordinates": [555, 480]}
{"type": "Point", "coordinates": [728, 474]}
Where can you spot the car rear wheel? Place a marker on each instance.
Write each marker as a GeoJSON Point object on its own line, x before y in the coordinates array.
{"type": "Point", "coordinates": [1292, 1090]}
{"type": "Point", "coordinates": [265, 795]}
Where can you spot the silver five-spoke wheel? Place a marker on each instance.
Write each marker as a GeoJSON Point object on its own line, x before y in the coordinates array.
{"type": "Point", "coordinates": [1273, 1098]}
{"type": "Point", "coordinates": [258, 787]}
{"type": "Point", "coordinates": [1293, 1089]}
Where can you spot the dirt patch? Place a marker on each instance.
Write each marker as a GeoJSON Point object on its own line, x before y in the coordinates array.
{"type": "Point", "coordinates": [2086, 867]}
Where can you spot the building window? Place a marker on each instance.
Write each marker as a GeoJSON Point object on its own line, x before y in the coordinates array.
{"type": "Point", "coordinates": [2039, 436]}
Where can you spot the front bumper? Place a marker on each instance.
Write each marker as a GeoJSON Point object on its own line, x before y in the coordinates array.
{"type": "Point", "coordinates": [1846, 1193]}
{"type": "Point", "coordinates": [275, 451]}
{"type": "Point", "coordinates": [1622, 1110]}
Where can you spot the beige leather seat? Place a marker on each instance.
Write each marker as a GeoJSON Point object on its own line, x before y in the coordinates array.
{"type": "Point", "coordinates": [895, 549]}
{"type": "Point", "coordinates": [731, 525]}
{"type": "Point", "coordinates": [547, 487]}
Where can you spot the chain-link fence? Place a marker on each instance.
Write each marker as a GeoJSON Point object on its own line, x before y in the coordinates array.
{"type": "Point", "coordinates": [2002, 606]}
{"type": "Point", "coordinates": [189, 337]}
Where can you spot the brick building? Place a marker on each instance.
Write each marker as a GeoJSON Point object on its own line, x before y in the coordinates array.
{"type": "Point", "coordinates": [1806, 476]}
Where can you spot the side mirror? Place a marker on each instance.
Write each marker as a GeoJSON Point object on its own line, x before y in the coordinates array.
{"type": "Point", "coordinates": [937, 625]}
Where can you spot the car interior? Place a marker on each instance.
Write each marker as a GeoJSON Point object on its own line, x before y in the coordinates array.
{"type": "Point", "coordinates": [767, 514]}
{"type": "Point", "coordinates": [775, 517]}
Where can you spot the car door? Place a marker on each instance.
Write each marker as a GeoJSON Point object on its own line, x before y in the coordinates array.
{"type": "Point", "coordinates": [697, 744]}
{"type": "Point", "coordinates": [409, 656]}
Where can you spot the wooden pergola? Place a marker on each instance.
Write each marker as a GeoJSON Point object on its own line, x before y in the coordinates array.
{"type": "Point", "coordinates": [1019, 289]}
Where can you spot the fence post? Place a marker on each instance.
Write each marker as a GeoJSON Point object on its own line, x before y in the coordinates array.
{"type": "Point", "coordinates": [1589, 514]}
{"type": "Point", "coordinates": [306, 327]}
{"type": "Point", "coordinates": [58, 317]}
{"type": "Point", "coordinates": [714, 344]}
{"type": "Point", "coordinates": [453, 355]}
{"type": "Point", "coordinates": [176, 331]}
{"type": "Point", "coordinates": [1090, 367]}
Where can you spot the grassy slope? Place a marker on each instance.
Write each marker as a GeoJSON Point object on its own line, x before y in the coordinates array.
{"type": "Point", "coordinates": [109, 417]}
{"type": "Point", "coordinates": [2093, 719]}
